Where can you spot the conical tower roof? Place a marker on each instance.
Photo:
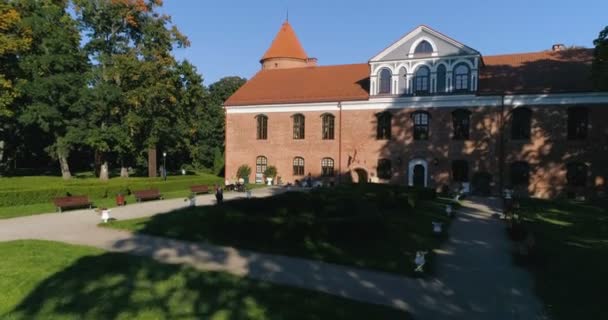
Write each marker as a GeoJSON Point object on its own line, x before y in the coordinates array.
{"type": "Point", "coordinates": [285, 45]}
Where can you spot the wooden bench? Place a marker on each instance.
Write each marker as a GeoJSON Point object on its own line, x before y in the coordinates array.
{"type": "Point", "coordinates": [199, 189]}
{"type": "Point", "coordinates": [72, 202]}
{"type": "Point", "coordinates": [151, 194]}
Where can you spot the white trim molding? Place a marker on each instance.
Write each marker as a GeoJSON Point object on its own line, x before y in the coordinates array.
{"type": "Point", "coordinates": [410, 171]}
{"type": "Point", "coordinates": [415, 33]}
{"type": "Point", "coordinates": [439, 101]}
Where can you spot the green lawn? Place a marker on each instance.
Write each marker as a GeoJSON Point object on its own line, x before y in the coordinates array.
{"type": "Point", "coordinates": [370, 227]}
{"type": "Point", "coordinates": [48, 280]}
{"type": "Point", "coordinates": [21, 196]}
{"type": "Point", "coordinates": [572, 260]}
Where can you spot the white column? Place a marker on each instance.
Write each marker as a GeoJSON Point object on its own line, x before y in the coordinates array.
{"type": "Point", "coordinates": [395, 82]}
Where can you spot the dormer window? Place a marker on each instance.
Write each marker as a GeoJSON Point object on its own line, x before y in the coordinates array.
{"type": "Point", "coordinates": [424, 47]}
{"type": "Point", "coordinates": [422, 81]}
{"type": "Point", "coordinates": [462, 74]}
{"type": "Point", "coordinates": [385, 81]}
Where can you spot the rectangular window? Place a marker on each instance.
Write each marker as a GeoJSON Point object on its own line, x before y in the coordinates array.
{"type": "Point", "coordinates": [383, 126]}
{"type": "Point", "coordinates": [298, 166]}
{"type": "Point", "coordinates": [521, 124]}
{"type": "Point", "coordinates": [298, 127]}
{"type": "Point", "coordinates": [461, 124]}
{"type": "Point", "coordinates": [578, 123]}
{"type": "Point", "coordinates": [328, 127]}
{"type": "Point", "coordinates": [520, 174]}
{"type": "Point", "coordinates": [421, 126]}
{"type": "Point", "coordinates": [327, 167]}
{"type": "Point", "coordinates": [460, 171]}
{"type": "Point", "coordinates": [262, 127]}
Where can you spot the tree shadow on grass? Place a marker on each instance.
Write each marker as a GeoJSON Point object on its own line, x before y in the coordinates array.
{"type": "Point", "coordinates": [373, 226]}
{"type": "Point", "coordinates": [113, 285]}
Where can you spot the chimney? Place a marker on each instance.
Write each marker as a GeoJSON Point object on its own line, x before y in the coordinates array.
{"type": "Point", "coordinates": [558, 47]}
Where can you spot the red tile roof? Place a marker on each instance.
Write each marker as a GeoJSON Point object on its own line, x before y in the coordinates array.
{"type": "Point", "coordinates": [285, 45]}
{"type": "Point", "coordinates": [538, 72]}
{"type": "Point", "coordinates": [302, 85]}
{"type": "Point", "coordinates": [567, 70]}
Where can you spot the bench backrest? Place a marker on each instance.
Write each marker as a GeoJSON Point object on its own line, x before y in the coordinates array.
{"type": "Point", "coordinates": [199, 188]}
{"type": "Point", "coordinates": [62, 201]}
{"type": "Point", "coordinates": [147, 193]}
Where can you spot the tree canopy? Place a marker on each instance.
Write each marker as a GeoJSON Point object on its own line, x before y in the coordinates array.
{"type": "Point", "coordinates": [94, 84]}
{"type": "Point", "coordinates": [600, 61]}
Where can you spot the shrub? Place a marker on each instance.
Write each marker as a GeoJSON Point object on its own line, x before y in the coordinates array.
{"type": "Point", "coordinates": [270, 172]}
{"type": "Point", "coordinates": [94, 189]}
{"type": "Point", "coordinates": [243, 172]}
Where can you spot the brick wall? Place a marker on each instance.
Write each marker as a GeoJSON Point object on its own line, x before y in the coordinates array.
{"type": "Point", "coordinates": [547, 151]}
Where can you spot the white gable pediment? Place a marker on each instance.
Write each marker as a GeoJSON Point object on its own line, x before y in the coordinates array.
{"type": "Point", "coordinates": [442, 46]}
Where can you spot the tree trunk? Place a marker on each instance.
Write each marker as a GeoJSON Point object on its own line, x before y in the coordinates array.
{"type": "Point", "coordinates": [1, 156]}
{"type": "Point", "coordinates": [152, 163]}
{"type": "Point", "coordinates": [124, 172]}
{"type": "Point", "coordinates": [97, 162]}
{"type": "Point", "coordinates": [65, 167]}
{"type": "Point", "coordinates": [104, 174]}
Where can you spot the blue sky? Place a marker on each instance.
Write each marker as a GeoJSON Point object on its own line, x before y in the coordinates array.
{"type": "Point", "coordinates": [229, 37]}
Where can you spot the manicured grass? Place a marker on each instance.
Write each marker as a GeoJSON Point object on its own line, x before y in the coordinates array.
{"type": "Point", "coordinates": [47, 280]}
{"type": "Point", "coordinates": [572, 256]}
{"type": "Point", "coordinates": [37, 192]}
{"type": "Point", "coordinates": [370, 226]}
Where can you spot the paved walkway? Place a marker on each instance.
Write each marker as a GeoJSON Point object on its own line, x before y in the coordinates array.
{"type": "Point", "coordinates": [476, 277]}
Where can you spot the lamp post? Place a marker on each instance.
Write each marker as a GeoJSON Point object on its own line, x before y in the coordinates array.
{"type": "Point", "coordinates": [165, 166]}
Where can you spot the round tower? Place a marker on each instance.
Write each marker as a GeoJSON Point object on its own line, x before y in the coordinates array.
{"type": "Point", "coordinates": [286, 51]}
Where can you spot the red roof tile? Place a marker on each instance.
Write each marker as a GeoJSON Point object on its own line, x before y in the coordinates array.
{"type": "Point", "coordinates": [285, 45]}
{"type": "Point", "coordinates": [538, 72]}
{"type": "Point", "coordinates": [302, 85]}
{"type": "Point", "coordinates": [567, 70]}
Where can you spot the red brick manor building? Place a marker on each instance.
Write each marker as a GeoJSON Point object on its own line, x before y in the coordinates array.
{"type": "Point", "coordinates": [426, 111]}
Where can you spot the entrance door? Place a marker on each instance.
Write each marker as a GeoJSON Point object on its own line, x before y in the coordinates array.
{"type": "Point", "coordinates": [361, 175]}
{"type": "Point", "coordinates": [419, 176]}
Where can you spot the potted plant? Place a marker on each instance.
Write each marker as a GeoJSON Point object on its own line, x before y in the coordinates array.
{"type": "Point", "coordinates": [243, 173]}
{"type": "Point", "coordinates": [270, 174]}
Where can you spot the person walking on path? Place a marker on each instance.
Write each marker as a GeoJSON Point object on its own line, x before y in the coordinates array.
{"type": "Point", "coordinates": [219, 194]}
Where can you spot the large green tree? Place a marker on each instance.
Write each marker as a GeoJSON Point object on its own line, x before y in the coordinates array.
{"type": "Point", "coordinates": [14, 39]}
{"type": "Point", "coordinates": [132, 78]}
{"type": "Point", "coordinates": [600, 61]}
{"type": "Point", "coordinates": [219, 92]}
{"type": "Point", "coordinates": [54, 68]}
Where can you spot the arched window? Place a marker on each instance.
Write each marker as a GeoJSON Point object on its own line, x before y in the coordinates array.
{"type": "Point", "coordinates": [262, 127]}
{"type": "Point", "coordinates": [385, 81]}
{"type": "Point", "coordinates": [383, 130]}
{"type": "Point", "coordinates": [327, 167]}
{"type": "Point", "coordinates": [422, 81]}
{"type": "Point", "coordinates": [460, 171]}
{"type": "Point", "coordinates": [298, 126]}
{"type": "Point", "coordinates": [298, 166]}
{"type": "Point", "coordinates": [461, 124]}
{"type": "Point", "coordinates": [578, 123]}
{"type": "Point", "coordinates": [577, 174]}
{"type": "Point", "coordinates": [261, 163]}
{"type": "Point", "coordinates": [462, 74]}
{"type": "Point", "coordinates": [424, 47]}
{"type": "Point", "coordinates": [328, 126]}
{"type": "Point", "coordinates": [384, 170]}
{"type": "Point", "coordinates": [521, 124]}
{"type": "Point", "coordinates": [421, 125]}
{"type": "Point", "coordinates": [520, 173]}
{"type": "Point", "coordinates": [441, 78]}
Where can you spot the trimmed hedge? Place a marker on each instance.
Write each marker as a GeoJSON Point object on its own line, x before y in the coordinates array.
{"type": "Point", "coordinates": [98, 190]}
